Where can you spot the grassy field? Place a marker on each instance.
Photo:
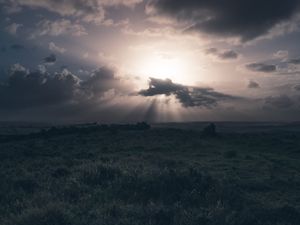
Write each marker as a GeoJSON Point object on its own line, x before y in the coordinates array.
{"type": "Point", "coordinates": [159, 176]}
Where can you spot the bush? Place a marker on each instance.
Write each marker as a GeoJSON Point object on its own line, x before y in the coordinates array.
{"type": "Point", "coordinates": [210, 130]}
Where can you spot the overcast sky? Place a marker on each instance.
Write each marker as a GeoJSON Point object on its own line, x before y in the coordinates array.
{"type": "Point", "coordinates": [152, 60]}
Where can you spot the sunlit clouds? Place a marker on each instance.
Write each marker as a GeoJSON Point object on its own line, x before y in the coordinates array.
{"type": "Point", "coordinates": [153, 60]}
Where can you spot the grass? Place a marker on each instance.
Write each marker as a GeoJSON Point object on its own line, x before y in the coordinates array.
{"type": "Point", "coordinates": [159, 176]}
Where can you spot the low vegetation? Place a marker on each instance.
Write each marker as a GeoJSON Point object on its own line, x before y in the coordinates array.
{"type": "Point", "coordinates": [126, 176]}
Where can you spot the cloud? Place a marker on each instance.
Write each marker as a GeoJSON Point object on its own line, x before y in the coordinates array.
{"type": "Point", "coordinates": [90, 11]}
{"type": "Point", "coordinates": [103, 95]}
{"type": "Point", "coordinates": [187, 96]}
{"type": "Point", "coordinates": [10, 7]}
{"type": "Point", "coordinates": [222, 54]}
{"type": "Point", "coordinates": [229, 54]}
{"type": "Point", "coordinates": [253, 84]}
{"type": "Point", "coordinates": [85, 55]}
{"type": "Point", "coordinates": [27, 89]}
{"type": "Point", "coordinates": [13, 28]}
{"type": "Point", "coordinates": [17, 47]}
{"type": "Point", "coordinates": [50, 59]}
{"type": "Point", "coordinates": [295, 61]}
{"type": "Point", "coordinates": [37, 89]}
{"type": "Point", "coordinates": [281, 102]}
{"type": "Point", "coordinates": [86, 10]}
{"type": "Point", "coordinates": [102, 80]}
{"type": "Point", "coordinates": [129, 3]}
{"type": "Point", "coordinates": [247, 19]}
{"type": "Point", "coordinates": [58, 27]}
{"type": "Point", "coordinates": [18, 69]}
{"type": "Point", "coordinates": [212, 51]}
{"type": "Point", "coordinates": [106, 59]}
{"type": "Point", "coordinates": [297, 87]}
{"type": "Point", "coordinates": [262, 67]}
{"type": "Point", "coordinates": [53, 47]}
{"type": "Point", "coordinates": [281, 54]}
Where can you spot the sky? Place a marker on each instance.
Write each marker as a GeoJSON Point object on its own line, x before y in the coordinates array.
{"type": "Point", "coordinates": [116, 61]}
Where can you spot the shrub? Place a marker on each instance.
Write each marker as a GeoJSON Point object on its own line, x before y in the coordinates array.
{"type": "Point", "coordinates": [210, 130]}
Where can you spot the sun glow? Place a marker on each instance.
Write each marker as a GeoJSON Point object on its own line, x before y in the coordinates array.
{"type": "Point", "coordinates": [163, 67]}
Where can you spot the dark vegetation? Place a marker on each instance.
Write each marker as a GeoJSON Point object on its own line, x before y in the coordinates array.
{"type": "Point", "coordinates": [131, 174]}
{"type": "Point", "coordinates": [76, 129]}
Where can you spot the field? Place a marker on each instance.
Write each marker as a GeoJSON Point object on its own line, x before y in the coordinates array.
{"type": "Point", "coordinates": [247, 174]}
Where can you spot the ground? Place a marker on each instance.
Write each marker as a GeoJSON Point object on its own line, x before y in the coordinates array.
{"type": "Point", "coordinates": [169, 174]}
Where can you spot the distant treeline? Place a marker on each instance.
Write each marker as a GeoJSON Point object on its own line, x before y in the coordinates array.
{"type": "Point", "coordinates": [91, 127]}
{"type": "Point", "coordinates": [78, 129]}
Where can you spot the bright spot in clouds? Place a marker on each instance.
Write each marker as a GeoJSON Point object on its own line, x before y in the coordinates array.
{"type": "Point", "coordinates": [163, 66]}
{"type": "Point", "coordinates": [97, 58]}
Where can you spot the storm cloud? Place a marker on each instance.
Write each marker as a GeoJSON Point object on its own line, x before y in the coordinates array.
{"type": "Point", "coordinates": [188, 96]}
{"type": "Point", "coordinates": [281, 101]}
{"type": "Point", "coordinates": [253, 84]}
{"type": "Point", "coordinates": [17, 47]}
{"type": "Point", "coordinates": [25, 88]}
{"type": "Point", "coordinates": [247, 19]}
{"type": "Point", "coordinates": [222, 54]}
{"type": "Point", "coordinates": [261, 67]}
{"type": "Point", "coordinates": [85, 10]}
{"type": "Point", "coordinates": [297, 87]}
{"type": "Point", "coordinates": [50, 59]}
{"type": "Point", "coordinates": [295, 61]}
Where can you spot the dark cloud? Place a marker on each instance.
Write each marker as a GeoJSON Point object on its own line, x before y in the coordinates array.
{"type": "Point", "coordinates": [17, 47]}
{"type": "Point", "coordinates": [102, 80]}
{"type": "Point", "coordinates": [211, 51]}
{"type": "Point", "coordinates": [230, 54]}
{"type": "Point", "coordinates": [253, 84]}
{"type": "Point", "coordinates": [246, 19]}
{"type": "Point", "coordinates": [222, 54]}
{"type": "Point", "coordinates": [294, 61]}
{"type": "Point", "coordinates": [281, 102]}
{"type": "Point", "coordinates": [50, 59]}
{"type": "Point", "coordinates": [297, 87]}
{"type": "Point", "coordinates": [187, 96]}
{"type": "Point", "coordinates": [85, 10]}
{"type": "Point", "coordinates": [29, 89]}
{"type": "Point", "coordinates": [261, 67]}
{"type": "Point", "coordinates": [26, 89]}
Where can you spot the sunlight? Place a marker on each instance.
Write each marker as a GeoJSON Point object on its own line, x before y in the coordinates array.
{"type": "Point", "coordinates": [163, 67]}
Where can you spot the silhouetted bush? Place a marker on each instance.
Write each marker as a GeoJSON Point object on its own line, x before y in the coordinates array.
{"type": "Point", "coordinates": [143, 126]}
{"type": "Point", "coordinates": [210, 130]}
